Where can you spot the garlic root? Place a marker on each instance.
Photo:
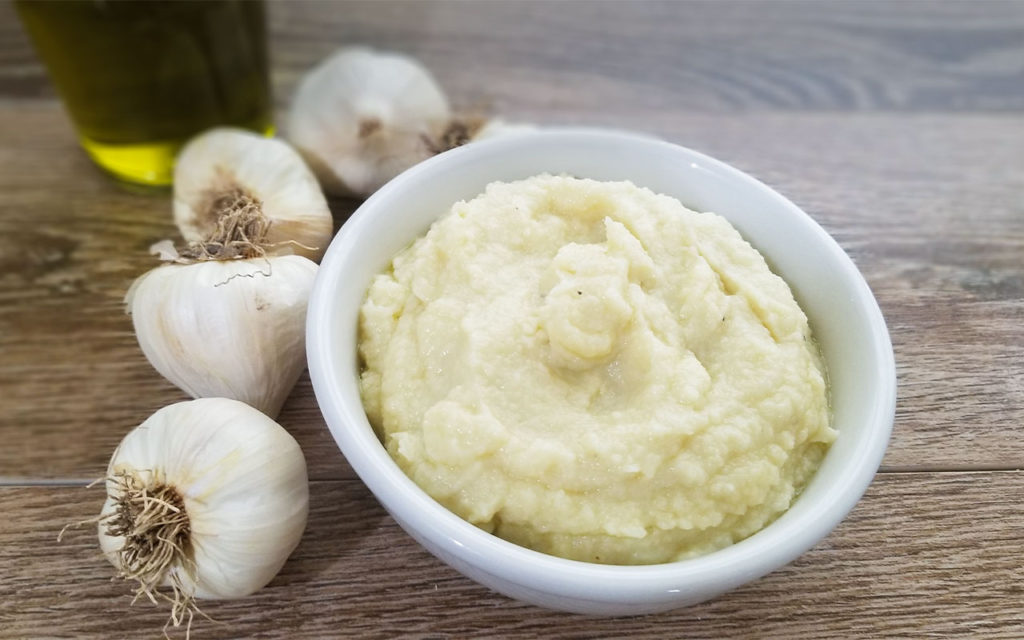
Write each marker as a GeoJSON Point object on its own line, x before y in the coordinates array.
{"type": "Point", "coordinates": [361, 117]}
{"type": "Point", "coordinates": [152, 521]}
{"type": "Point", "coordinates": [208, 498]}
{"type": "Point", "coordinates": [225, 171]}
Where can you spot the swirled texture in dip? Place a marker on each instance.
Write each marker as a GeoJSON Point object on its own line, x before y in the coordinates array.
{"type": "Point", "coordinates": [592, 370]}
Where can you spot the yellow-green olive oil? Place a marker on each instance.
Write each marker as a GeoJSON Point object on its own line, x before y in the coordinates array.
{"type": "Point", "coordinates": [140, 77]}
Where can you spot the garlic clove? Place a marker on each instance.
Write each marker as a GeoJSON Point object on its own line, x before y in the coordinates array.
{"type": "Point", "coordinates": [362, 117]}
{"type": "Point", "coordinates": [241, 482]}
{"type": "Point", "coordinates": [233, 329]}
{"type": "Point", "coordinates": [226, 168]}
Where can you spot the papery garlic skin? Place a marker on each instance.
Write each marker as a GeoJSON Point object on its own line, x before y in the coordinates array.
{"type": "Point", "coordinates": [497, 128]}
{"type": "Point", "coordinates": [243, 481]}
{"type": "Point", "coordinates": [362, 117]}
{"type": "Point", "coordinates": [217, 163]}
{"type": "Point", "coordinates": [233, 329]}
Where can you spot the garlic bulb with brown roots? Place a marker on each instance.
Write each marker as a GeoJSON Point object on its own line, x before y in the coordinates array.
{"type": "Point", "coordinates": [226, 170]}
{"type": "Point", "coordinates": [362, 117]}
{"type": "Point", "coordinates": [207, 498]}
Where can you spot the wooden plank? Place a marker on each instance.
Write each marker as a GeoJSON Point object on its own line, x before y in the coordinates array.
{"type": "Point", "coordinates": [72, 375]}
{"type": "Point", "coordinates": [940, 242]}
{"type": "Point", "coordinates": [923, 555]}
{"type": "Point", "coordinates": [652, 56]}
{"type": "Point", "coordinates": [898, 126]}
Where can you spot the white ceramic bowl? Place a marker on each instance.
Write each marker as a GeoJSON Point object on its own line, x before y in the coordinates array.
{"type": "Point", "coordinates": [843, 313]}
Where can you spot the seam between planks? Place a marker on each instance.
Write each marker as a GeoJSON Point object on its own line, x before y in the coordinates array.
{"type": "Point", "coordinates": [16, 482]}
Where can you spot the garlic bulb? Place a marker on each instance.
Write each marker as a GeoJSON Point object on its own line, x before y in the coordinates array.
{"type": "Point", "coordinates": [226, 328]}
{"type": "Point", "coordinates": [362, 117]}
{"type": "Point", "coordinates": [208, 497]}
{"type": "Point", "coordinates": [226, 169]}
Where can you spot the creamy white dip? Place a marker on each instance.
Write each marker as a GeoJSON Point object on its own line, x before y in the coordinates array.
{"type": "Point", "coordinates": [594, 371]}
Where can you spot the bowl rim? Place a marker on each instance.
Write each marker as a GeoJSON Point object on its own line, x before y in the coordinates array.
{"type": "Point", "coordinates": [716, 571]}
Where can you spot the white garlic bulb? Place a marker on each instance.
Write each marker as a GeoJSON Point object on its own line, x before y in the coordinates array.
{"type": "Point", "coordinates": [225, 169]}
{"type": "Point", "coordinates": [226, 328]}
{"type": "Point", "coordinates": [362, 117]}
{"type": "Point", "coordinates": [208, 497]}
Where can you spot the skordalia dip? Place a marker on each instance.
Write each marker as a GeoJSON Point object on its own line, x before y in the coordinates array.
{"type": "Point", "coordinates": [594, 371]}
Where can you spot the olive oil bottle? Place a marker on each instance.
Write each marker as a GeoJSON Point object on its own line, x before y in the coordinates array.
{"type": "Point", "coordinates": [140, 77]}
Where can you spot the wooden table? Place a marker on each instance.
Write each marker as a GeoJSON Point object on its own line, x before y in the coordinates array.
{"type": "Point", "coordinates": [899, 126]}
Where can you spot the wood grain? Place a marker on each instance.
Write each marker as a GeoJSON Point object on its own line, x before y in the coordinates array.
{"type": "Point", "coordinates": [653, 56]}
{"type": "Point", "coordinates": [941, 242]}
{"type": "Point", "coordinates": [649, 57]}
{"type": "Point", "coordinates": [908, 562]}
{"type": "Point", "coordinates": [899, 126]}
